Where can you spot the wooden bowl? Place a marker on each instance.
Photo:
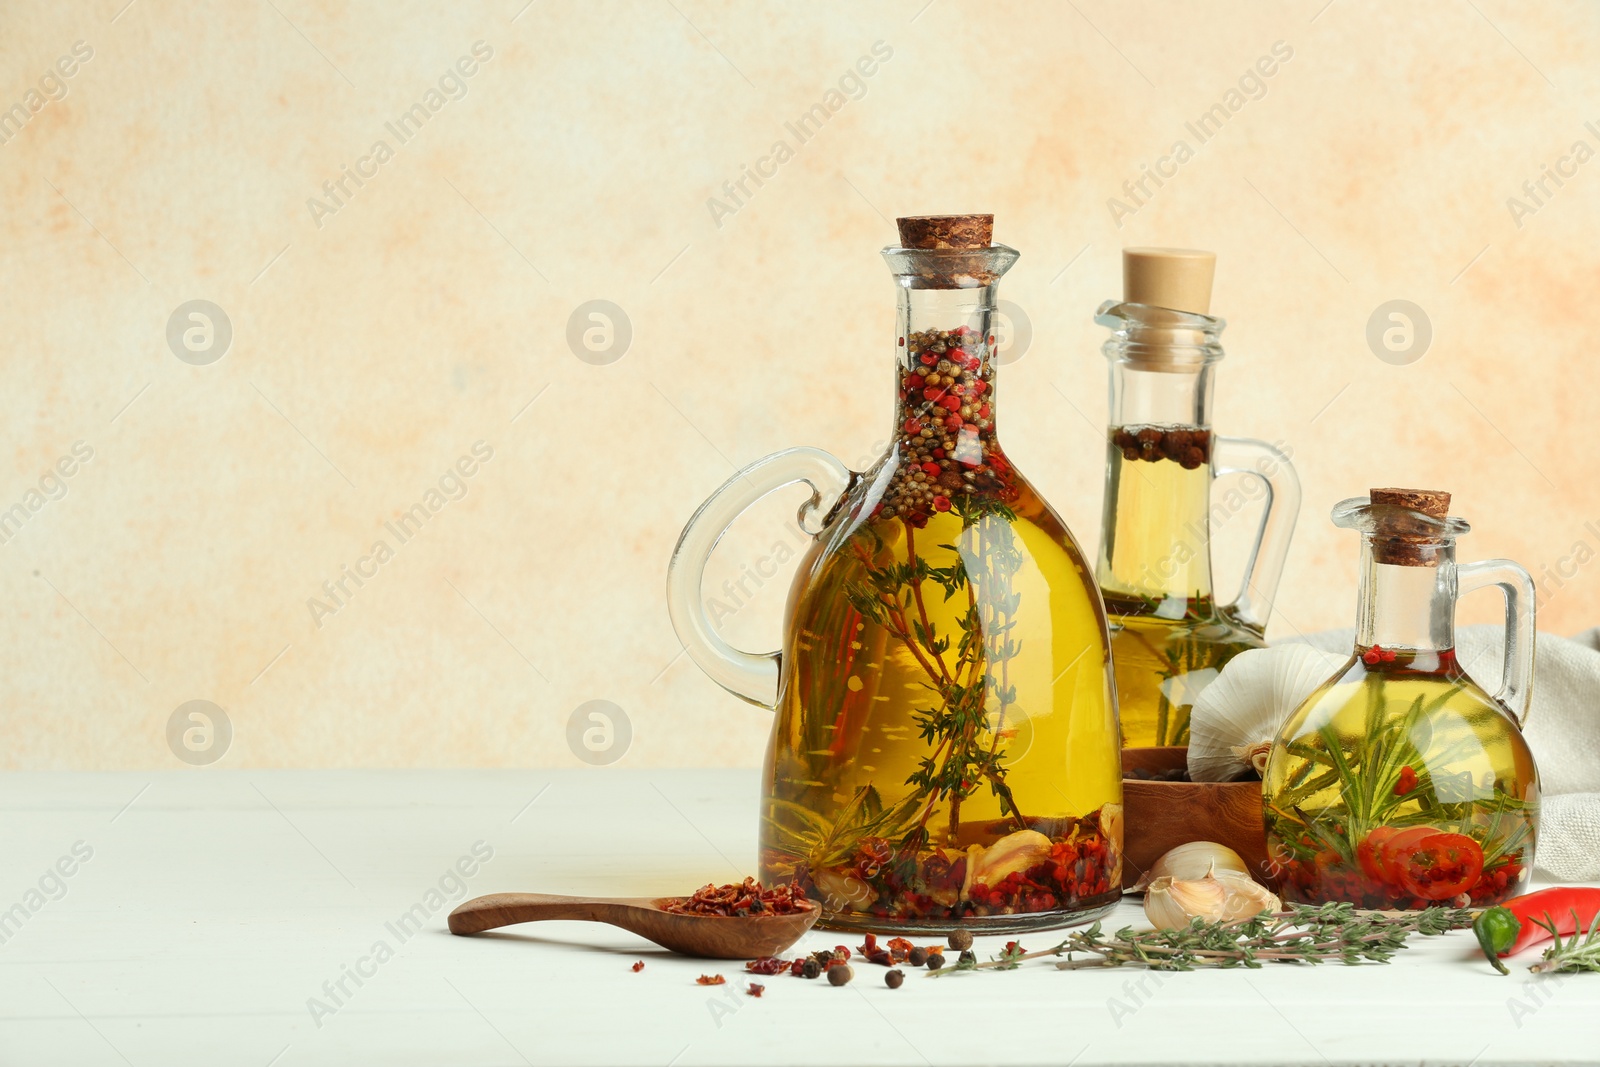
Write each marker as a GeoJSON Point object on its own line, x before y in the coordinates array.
{"type": "Point", "coordinates": [1160, 816]}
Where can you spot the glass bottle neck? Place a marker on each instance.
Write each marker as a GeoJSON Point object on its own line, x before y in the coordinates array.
{"type": "Point", "coordinates": [1407, 608]}
{"type": "Point", "coordinates": [1155, 545]}
{"type": "Point", "coordinates": [945, 376]}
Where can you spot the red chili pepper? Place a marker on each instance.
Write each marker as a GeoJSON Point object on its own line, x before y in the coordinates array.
{"type": "Point", "coordinates": [1525, 921]}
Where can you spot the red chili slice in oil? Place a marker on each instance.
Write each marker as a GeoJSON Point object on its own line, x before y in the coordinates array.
{"type": "Point", "coordinates": [1440, 866]}
{"type": "Point", "coordinates": [1391, 855]}
{"type": "Point", "coordinates": [1369, 850]}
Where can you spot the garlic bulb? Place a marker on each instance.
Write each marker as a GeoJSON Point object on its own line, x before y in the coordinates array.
{"type": "Point", "coordinates": [1235, 719]}
{"type": "Point", "coordinates": [1193, 860]}
{"type": "Point", "coordinates": [1170, 903]}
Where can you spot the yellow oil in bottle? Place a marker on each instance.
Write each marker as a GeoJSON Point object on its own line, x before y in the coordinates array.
{"type": "Point", "coordinates": [1168, 638]}
{"type": "Point", "coordinates": [1402, 784]}
{"type": "Point", "coordinates": [946, 743]}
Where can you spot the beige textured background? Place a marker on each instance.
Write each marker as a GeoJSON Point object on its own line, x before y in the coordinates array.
{"type": "Point", "coordinates": [371, 351]}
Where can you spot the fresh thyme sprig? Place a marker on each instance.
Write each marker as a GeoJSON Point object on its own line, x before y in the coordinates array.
{"type": "Point", "coordinates": [1327, 933]}
{"type": "Point", "coordinates": [1580, 952]}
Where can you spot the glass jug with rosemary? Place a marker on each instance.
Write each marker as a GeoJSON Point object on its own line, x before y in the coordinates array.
{"type": "Point", "coordinates": [945, 749]}
{"type": "Point", "coordinates": [1169, 635]}
{"type": "Point", "coordinates": [1401, 783]}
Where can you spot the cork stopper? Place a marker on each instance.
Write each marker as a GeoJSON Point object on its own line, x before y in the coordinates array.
{"type": "Point", "coordinates": [930, 232]}
{"type": "Point", "coordinates": [1399, 537]}
{"type": "Point", "coordinates": [1175, 278]}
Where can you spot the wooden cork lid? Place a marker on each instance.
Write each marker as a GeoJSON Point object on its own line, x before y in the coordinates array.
{"type": "Point", "coordinates": [1175, 278]}
{"type": "Point", "coordinates": [1399, 537]}
{"type": "Point", "coordinates": [929, 232]}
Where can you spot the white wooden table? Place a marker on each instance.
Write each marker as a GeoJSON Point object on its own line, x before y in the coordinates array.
{"type": "Point", "coordinates": [219, 913]}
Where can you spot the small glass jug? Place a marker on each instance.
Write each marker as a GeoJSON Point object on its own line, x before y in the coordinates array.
{"type": "Point", "coordinates": [945, 748]}
{"type": "Point", "coordinates": [1401, 783]}
{"type": "Point", "coordinates": [1169, 635]}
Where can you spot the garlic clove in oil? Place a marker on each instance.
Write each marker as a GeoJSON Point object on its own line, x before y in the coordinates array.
{"type": "Point", "coordinates": [1171, 903]}
{"type": "Point", "coordinates": [1235, 719]}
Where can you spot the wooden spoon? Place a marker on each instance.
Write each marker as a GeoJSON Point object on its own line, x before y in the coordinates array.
{"type": "Point", "coordinates": [712, 936]}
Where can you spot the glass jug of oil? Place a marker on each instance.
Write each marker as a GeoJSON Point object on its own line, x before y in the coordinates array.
{"type": "Point", "coordinates": [945, 749]}
{"type": "Point", "coordinates": [1169, 635]}
{"type": "Point", "coordinates": [1400, 783]}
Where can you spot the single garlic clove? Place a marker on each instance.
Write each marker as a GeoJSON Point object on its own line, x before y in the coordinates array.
{"type": "Point", "coordinates": [843, 891]}
{"type": "Point", "coordinates": [1170, 904]}
{"type": "Point", "coordinates": [974, 857]}
{"type": "Point", "coordinates": [1111, 827]}
{"type": "Point", "coordinates": [1192, 860]}
{"type": "Point", "coordinates": [1245, 897]}
{"type": "Point", "coordinates": [1011, 854]}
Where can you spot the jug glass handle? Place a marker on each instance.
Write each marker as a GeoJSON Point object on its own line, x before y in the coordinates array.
{"type": "Point", "coordinates": [747, 675]}
{"type": "Point", "coordinates": [1516, 675]}
{"type": "Point", "coordinates": [1243, 455]}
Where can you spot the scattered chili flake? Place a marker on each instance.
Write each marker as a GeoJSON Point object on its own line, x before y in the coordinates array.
{"type": "Point", "coordinates": [872, 952]}
{"type": "Point", "coordinates": [745, 899]}
{"type": "Point", "coordinates": [637, 967]}
{"type": "Point", "coordinates": [755, 989]}
{"type": "Point", "coordinates": [710, 979]}
{"type": "Point", "coordinates": [767, 965]}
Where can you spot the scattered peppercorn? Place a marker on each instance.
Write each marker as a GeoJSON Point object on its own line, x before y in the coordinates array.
{"type": "Point", "coordinates": [840, 975]}
{"type": "Point", "coordinates": [968, 958]}
{"type": "Point", "coordinates": [637, 967]}
{"type": "Point", "coordinates": [894, 978]}
{"type": "Point", "coordinates": [810, 969]}
{"type": "Point", "coordinates": [960, 939]}
{"type": "Point", "coordinates": [935, 960]}
{"type": "Point", "coordinates": [917, 956]}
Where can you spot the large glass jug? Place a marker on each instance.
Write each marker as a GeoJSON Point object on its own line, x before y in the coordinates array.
{"type": "Point", "coordinates": [1401, 783]}
{"type": "Point", "coordinates": [1169, 635]}
{"type": "Point", "coordinates": [945, 750]}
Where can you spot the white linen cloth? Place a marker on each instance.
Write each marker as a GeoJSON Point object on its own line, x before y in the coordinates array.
{"type": "Point", "coordinates": [1563, 731]}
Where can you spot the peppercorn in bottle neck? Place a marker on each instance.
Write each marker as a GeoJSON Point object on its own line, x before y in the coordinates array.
{"type": "Point", "coordinates": [945, 453]}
